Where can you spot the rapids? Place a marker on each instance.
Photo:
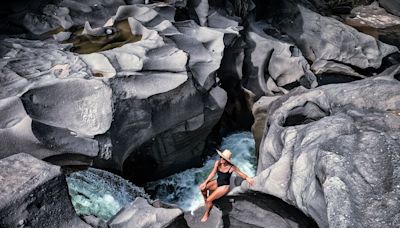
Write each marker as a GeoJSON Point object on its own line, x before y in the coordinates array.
{"type": "Point", "coordinates": [182, 188]}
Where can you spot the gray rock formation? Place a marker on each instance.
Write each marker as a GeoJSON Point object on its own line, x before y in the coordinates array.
{"type": "Point", "coordinates": [214, 219]}
{"type": "Point", "coordinates": [375, 21]}
{"type": "Point", "coordinates": [260, 210]}
{"type": "Point", "coordinates": [140, 214]}
{"type": "Point", "coordinates": [274, 65]}
{"type": "Point", "coordinates": [34, 193]}
{"type": "Point", "coordinates": [250, 210]}
{"type": "Point", "coordinates": [391, 6]}
{"type": "Point", "coordinates": [70, 13]}
{"type": "Point", "coordinates": [80, 105]}
{"type": "Point", "coordinates": [324, 39]}
{"type": "Point", "coordinates": [143, 89]}
{"type": "Point", "coordinates": [333, 152]}
{"type": "Point", "coordinates": [260, 109]}
{"type": "Point", "coordinates": [138, 89]}
{"type": "Point", "coordinates": [27, 64]}
{"type": "Point", "coordinates": [15, 131]}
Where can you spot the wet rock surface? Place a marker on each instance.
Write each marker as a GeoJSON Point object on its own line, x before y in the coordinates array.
{"type": "Point", "coordinates": [34, 194]}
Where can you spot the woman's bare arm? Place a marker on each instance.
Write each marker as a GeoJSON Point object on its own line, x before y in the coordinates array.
{"type": "Point", "coordinates": [242, 175]}
{"type": "Point", "coordinates": [212, 173]}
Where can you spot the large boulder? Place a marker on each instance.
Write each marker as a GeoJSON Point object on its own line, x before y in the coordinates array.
{"type": "Point", "coordinates": [16, 135]}
{"type": "Point", "coordinates": [333, 152]}
{"type": "Point", "coordinates": [80, 106]}
{"type": "Point", "coordinates": [34, 193]}
{"type": "Point", "coordinates": [330, 45]}
{"type": "Point", "coordinates": [391, 6]}
{"type": "Point", "coordinates": [260, 210]}
{"type": "Point", "coordinates": [39, 63]}
{"type": "Point", "coordinates": [375, 21]}
{"type": "Point", "coordinates": [249, 210]}
{"type": "Point", "coordinates": [140, 214]}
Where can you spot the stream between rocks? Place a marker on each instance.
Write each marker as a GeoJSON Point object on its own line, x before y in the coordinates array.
{"type": "Point", "coordinates": [102, 194]}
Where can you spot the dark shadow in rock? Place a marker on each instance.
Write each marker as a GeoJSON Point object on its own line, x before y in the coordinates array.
{"type": "Point", "coordinates": [139, 167]}
{"type": "Point", "coordinates": [307, 113]}
{"type": "Point", "coordinates": [71, 160]}
{"type": "Point", "coordinates": [250, 68]}
{"type": "Point", "coordinates": [181, 14]}
{"type": "Point", "coordinates": [12, 14]}
{"type": "Point", "coordinates": [325, 79]}
{"type": "Point", "coordinates": [390, 60]}
{"type": "Point", "coordinates": [292, 85]}
{"type": "Point", "coordinates": [237, 115]}
{"type": "Point", "coordinates": [397, 76]}
{"type": "Point", "coordinates": [258, 209]}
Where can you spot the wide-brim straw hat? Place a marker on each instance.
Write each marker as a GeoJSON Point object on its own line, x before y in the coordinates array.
{"type": "Point", "coordinates": [226, 154]}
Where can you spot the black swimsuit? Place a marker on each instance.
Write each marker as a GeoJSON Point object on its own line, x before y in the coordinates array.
{"type": "Point", "coordinates": [223, 178]}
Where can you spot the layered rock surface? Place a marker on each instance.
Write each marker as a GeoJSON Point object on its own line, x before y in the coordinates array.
{"type": "Point", "coordinates": [274, 64]}
{"type": "Point", "coordinates": [152, 98]}
{"type": "Point", "coordinates": [333, 152]}
{"type": "Point", "coordinates": [375, 21]}
{"type": "Point", "coordinates": [137, 92]}
{"type": "Point", "coordinates": [259, 210]}
{"type": "Point", "coordinates": [330, 45]}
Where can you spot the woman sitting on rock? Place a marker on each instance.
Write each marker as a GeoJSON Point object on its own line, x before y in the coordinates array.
{"type": "Point", "coordinates": [219, 187]}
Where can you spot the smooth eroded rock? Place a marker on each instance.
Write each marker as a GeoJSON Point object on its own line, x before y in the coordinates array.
{"type": "Point", "coordinates": [140, 214]}
{"type": "Point", "coordinates": [82, 106]}
{"type": "Point", "coordinates": [333, 152]}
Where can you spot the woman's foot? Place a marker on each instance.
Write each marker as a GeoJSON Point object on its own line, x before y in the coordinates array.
{"type": "Point", "coordinates": [205, 217]}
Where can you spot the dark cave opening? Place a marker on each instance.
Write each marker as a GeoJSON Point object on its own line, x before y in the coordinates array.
{"type": "Point", "coordinates": [297, 119]}
{"type": "Point", "coordinates": [307, 113]}
{"type": "Point", "coordinates": [139, 168]}
{"type": "Point", "coordinates": [397, 76]}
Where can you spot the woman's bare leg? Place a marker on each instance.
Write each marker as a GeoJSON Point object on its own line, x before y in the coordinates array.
{"type": "Point", "coordinates": [212, 185]}
{"type": "Point", "coordinates": [218, 193]}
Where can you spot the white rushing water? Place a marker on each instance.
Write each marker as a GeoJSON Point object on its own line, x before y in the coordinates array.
{"type": "Point", "coordinates": [100, 193]}
{"type": "Point", "coordinates": [182, 188]}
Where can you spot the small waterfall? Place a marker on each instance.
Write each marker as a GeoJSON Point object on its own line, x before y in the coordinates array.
{"type": "Point", "coordinates": [182, 188]}
{"type": "Point", "coordinates": [100, 193]}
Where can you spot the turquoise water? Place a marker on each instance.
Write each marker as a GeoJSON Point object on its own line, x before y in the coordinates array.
{"type": "Point", "coordinates": [182, 188]}
{"type": "Point", "coordinates": [100, 193]}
